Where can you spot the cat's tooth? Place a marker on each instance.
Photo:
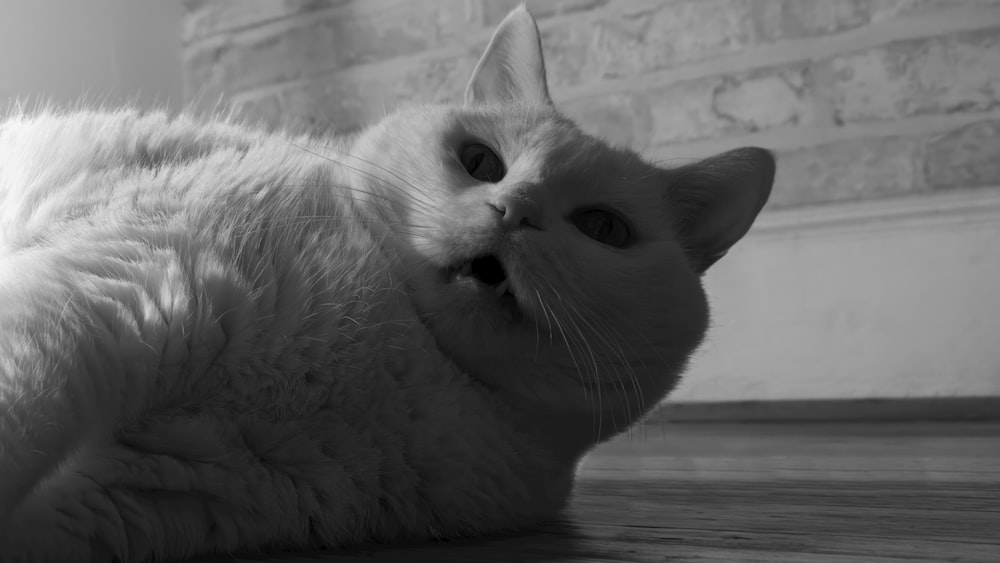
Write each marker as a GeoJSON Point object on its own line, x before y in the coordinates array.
{"type": "Point", "coordinates": [502, 287]}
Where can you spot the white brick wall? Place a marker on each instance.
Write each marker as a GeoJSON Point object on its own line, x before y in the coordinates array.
{"type": "Point", "coordinates": [862, 100]}
{"type": "Point", "coordinates": [860, 97]}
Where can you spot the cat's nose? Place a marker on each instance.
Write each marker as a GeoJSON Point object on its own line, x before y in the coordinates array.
{"type": "Point", "coordinates": [518, 213]}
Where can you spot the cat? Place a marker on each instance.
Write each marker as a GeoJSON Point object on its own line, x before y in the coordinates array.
{"type": "Point", "coordinates": [216, 339]}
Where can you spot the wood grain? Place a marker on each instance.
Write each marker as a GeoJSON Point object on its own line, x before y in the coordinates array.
{"type": "Point", "coordinates": [775, 493]}
{"type": "Point", "coordinates": [945, 409]}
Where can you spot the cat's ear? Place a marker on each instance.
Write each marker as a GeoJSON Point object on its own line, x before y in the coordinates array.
{"type": "Point", "coordinates": [716, 200]}
{"type": "Point", "coordinates": [512, 68]}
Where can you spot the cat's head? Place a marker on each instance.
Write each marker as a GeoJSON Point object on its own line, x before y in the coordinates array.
{"type": "Point", "coordinates": [546, 263]}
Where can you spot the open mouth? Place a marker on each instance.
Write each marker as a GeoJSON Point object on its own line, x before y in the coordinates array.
{"type": "Point", "coordinates": [486, 273]}
{"type": "Point", "coordinates": [487, 270]}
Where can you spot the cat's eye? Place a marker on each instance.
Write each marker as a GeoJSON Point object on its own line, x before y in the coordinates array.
{"type": "Point", "coordinates": [603, 226]}
{"type": "Point", "coordinates": [482, 163]}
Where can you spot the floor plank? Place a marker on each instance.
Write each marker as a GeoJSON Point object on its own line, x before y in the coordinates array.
{"type": "Point", "coordinates": [817, 492]}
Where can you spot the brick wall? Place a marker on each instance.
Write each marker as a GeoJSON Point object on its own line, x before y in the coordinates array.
{"type": "Point", "coordinates": [860, 98]}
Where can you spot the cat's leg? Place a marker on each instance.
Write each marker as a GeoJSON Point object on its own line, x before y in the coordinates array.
{"type": "Point", "coordinates": [194, 484]}
{"type": "Point", "coordinates": [120, 502]}
{"type": "Point", "coordinates": [54, 523]}
{"type": "Point", "coordinates": [50, 391]}
{"type": "Point", "coordinates": [73, 366]}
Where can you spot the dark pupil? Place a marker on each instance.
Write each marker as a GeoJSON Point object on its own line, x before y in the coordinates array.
{"type": "Point", "coordinates": [600, 226]}
{"type": "Point", "coordinates": [603, 227]}
{"type": "Point", "coordinates": [482, 164]}
{"type": "Point", "coordinates": [475, 162]}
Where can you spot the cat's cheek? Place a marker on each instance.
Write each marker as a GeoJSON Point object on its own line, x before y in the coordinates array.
{"type": "Point", "coordinates": [422, 243]}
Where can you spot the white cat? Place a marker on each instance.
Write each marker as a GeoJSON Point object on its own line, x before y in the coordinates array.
{"type": "Point", "coordinates": [215, 339]}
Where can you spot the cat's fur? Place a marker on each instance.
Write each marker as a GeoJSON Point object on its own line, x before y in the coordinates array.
{"type": "Point", "coordinates": [216, 339]}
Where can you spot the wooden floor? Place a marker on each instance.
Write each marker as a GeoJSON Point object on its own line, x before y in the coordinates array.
{"type": "Point", "coordinates": [774, 493]}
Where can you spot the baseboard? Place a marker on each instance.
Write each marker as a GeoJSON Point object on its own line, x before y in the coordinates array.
{"type": "Point", "coordinates": [861, 410]}
{"type": "Point", "coordinates": [895, 297]}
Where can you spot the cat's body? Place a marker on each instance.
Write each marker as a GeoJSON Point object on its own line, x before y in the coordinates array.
{"type": "Point", "coordinates": [227, 316]}
{"type": "Point", "coordinates": [216, 339]}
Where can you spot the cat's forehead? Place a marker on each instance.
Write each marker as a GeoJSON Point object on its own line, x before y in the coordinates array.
{"type": "Point", "coordinates": [516, 129]}
{"type": "Point", "coordinates": [541, 139]}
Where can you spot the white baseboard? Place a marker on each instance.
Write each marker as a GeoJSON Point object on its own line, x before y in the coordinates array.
{"type": "Point", "coordinates": [898, 298]}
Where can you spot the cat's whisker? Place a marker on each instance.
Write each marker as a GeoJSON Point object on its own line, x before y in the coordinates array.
{"type": "Point", "coordinates": [613, 343]}
{"type": "Point", "coordinates": [596, 375]}
{"type": "Point", "coordinates": [562, 334]}
{"type": "Point", "coordinates": [368, 162]}
{"type": "Point", "coordinates": [573, 314]}
{"type": "Point", "coordinates": [612, 339]}
{"type": "Point", "coordinates": [538, 341]}
{"type": "Point", "coordinates": [548, 322]}
{"type": "Point", "coordinates": [570, 318]}
{"type": "Point", "coordinates": [343, 190]}
{"type": "Point", "coordinates": [301, 220]}
{"type": "Point", "coordinates": [552, 324]}
{"type": "Point", "coordinates": [627, 341]}
{"type": "Point", "coordinates": [672, 161]}
{"type": "Point", "coordinates": [581, 374]}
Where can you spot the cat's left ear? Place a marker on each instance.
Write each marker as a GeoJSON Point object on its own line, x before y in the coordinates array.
{"type": "Point", "coordinates": [511, 69]}
{"type": "Point", "coordinates": [716, 201]}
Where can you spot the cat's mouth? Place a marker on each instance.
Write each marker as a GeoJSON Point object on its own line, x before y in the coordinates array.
{"type": "Point", "coordinates": [488, 274]}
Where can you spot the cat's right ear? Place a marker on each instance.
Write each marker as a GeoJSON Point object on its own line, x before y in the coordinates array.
{"type": "Point", "coordinates": [511, 69]}
{"type": "Point", "coordinates": [715, 201]}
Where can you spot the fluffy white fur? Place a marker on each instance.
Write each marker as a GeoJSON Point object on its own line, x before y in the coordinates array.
{"type": "Point", "coordinates": [215, 339]}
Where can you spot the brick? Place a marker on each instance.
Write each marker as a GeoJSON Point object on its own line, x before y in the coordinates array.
{"type": "Point", "coordinates": [777, 20]}
{"type": "Point", "coordinates": [205, 18]}
{"type": "Point", "coordinates": [494, 11]}
{"type": "Point", "coordinates": [620, 119]}
{"type": "Point", "coordinates": [767, 100]}
{"type": "Point", "coordinates": [967, 157]}
{"type": "Point", "coordinates": [643, 41]}
{"type": "Point", "coordinates": [735, 104]}
{"type": "Point", "coordinates": [889, 9]}
{"type": "Point", "coordinates": [683, 112]}
{"type": "Point", "coordinates": [794, 19]}
{"type": "Point", "coordinates": [877, 167]}
{"type": "Point", "coordinates": [934, 76]}
{"type": "Point", "coordinates": [435, 80]}
{"type": "Point", "coordinates": [849, 170]}
{"type": "Point", "coordinates": [346, 102]}
{"type": "Point", "coordinates": [566, 54]}
{"type": "Point", "coordinates": [633, 39]}
{"type": "Point", "coordinates": [639, 38]}
{"type": "Point", "coordinates": [332, 41]}
{"type": "Point", "coordinates": [958, 73]}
